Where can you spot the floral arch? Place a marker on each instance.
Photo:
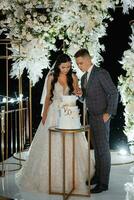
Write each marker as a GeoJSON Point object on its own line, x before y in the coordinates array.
{"type": "Point", "coordinates": [126, 88]}
{"type": "Point", "coordinates": [37, 24]}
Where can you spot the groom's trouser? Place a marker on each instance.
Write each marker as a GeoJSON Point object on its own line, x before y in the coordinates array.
{"type": "Point", "coordinates": [100, 131]}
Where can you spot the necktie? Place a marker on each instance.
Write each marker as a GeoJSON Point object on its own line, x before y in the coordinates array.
{"type": "Point", "coordinates": [85, 80]}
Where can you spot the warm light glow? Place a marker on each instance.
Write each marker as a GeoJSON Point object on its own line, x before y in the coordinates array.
{"type": "Point", "coordinates": [123, 152]}
{"type": "Point", "coordinates": [12, 100]}
{"type": "Point", "coordinates": [4, 100]}
{"type": "Point", "coordinates": [20, 97]}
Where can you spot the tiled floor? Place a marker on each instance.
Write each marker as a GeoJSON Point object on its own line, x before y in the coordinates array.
{"type": "Point", "coordinates": [119, 175]}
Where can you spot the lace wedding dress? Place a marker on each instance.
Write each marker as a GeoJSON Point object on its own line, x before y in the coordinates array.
{"type": "Point", "coordinates": [34, 174]}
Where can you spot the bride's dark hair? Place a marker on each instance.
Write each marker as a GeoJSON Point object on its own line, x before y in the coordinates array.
{"type": "Point", "coordinates": [63, 58]}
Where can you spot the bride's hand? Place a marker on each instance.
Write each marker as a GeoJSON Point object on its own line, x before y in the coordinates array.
{"type": "Point", "coordinates": [44, 118]}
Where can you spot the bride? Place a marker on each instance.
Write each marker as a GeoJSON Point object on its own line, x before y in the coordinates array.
{"type": "Point", "coordinates": [34, 174]}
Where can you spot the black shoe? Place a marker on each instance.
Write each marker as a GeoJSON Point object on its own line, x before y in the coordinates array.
{"type": "Point", "coordinates": [86, 182]}
{"type": "Point", "coordinates": [99, 188]}
{"type": "Point", "coordinates": [94, 181]}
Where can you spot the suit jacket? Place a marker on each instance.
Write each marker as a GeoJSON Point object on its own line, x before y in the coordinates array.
{"type": "Point", "coordinates": [100, 93]}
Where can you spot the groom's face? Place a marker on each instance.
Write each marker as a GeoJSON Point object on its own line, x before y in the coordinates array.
{"type": "Point", "coordinates": [83, 62]}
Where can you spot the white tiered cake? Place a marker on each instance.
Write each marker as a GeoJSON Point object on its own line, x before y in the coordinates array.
{"type": "Point", "coordinates": [69, 113]}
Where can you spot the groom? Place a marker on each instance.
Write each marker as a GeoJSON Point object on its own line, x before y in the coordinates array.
{"type": "Point", "coordinates": [101, 98]}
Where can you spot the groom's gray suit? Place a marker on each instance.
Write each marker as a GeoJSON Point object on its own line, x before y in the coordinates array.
{"type": "Point", "coordinates": [101, 97]}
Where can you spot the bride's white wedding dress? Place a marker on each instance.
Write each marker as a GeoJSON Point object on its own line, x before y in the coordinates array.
{"type": "Point", "coordinates": [34, 174]}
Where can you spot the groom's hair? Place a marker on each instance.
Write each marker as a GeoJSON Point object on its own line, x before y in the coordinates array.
{"type": "Point", "coordinates": [82, 53]}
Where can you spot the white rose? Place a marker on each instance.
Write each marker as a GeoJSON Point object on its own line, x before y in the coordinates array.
{"type": "Point", "coordinates": [35, 14]}
{"type": "Point", "coordinates": [28, 5]}
{"type": "Point", "coordinates": [29, 37]}
{"type": "Point", "coordinates": [130, 108]}
{"type": "Point", "coordinates": [43, 18]}
{"type": "Point", "coordinates": [23, 32]}
{"type": "Point", "coordinates": [28, 16]}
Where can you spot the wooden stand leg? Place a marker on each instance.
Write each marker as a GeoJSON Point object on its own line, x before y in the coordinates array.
{"type": "Point", "coordinates": [73, 162]}
{"type": "Point", "coordinates": [64, 170]}
{"type": "Point", "coordinates": [49, 172]}
{"type": "Point", "coordinates": [89, 160]}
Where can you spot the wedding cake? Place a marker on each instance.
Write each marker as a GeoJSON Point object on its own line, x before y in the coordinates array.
{"type": "Point", "coordinates": [69, 117]}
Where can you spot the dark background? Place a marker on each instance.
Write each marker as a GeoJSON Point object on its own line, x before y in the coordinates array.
{"type": "Point", "coordinates": [116, 42]}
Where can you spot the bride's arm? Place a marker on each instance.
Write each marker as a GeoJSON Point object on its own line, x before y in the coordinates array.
{"type": "Point", "coordinates": [77, 90]}
{"type": "Point", "coordinates": [47, 99]}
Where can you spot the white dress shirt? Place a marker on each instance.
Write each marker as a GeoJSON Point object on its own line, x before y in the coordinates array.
{"type": "Point", "coordinates": [89, 72]}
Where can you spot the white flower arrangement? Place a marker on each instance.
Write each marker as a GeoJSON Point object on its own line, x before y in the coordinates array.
{"type": "Point", "coordinates": [32, 30]}
{"type": "Point", "coordinates": [126, 87]}
{"type": "Point", "coordinates": [127, 4]}
{"type": "Point", "coordinates": [81, 24]}
{"type": "Point", "coordinates": [77, 22]}
{"type": "Point", "coordinates": [33, 56]}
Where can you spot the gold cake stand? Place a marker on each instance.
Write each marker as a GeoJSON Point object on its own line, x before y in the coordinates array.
{"type": "Point", "coordinates": [74, 133]}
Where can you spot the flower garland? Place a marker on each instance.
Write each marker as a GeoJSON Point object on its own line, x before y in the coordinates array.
{"type": "Point", "coordinates": [37, 24]}
{"type": "Point", "coordinates": [126, 87]}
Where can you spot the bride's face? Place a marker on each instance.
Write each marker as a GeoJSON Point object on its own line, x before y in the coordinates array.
{"type": "Point", "coordinates": [65, 67]}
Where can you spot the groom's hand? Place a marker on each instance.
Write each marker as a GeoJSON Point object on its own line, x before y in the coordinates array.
{"type": "Point", "coordinates": [78, 92]}
{"type": "Point", "coordinates": [106, 117]}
